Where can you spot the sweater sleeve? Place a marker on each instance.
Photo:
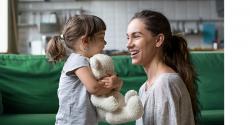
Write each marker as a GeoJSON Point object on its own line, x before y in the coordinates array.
{"type": "Point", "coordinates": [167, 108]}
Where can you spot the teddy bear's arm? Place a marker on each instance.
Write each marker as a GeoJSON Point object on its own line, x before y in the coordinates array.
{"type": "Point", "coordinates": [109, 103]}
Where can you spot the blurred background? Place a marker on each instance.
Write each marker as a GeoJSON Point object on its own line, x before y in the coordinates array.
{"type": "Point", "coordinates": [31, 23]}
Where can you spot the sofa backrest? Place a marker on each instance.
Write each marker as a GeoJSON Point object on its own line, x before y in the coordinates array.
{"type": "Point", "coordinates": [133, 76]}
{"type": "Point", "coordinates": [210, 69]}
{"type": "Point", "coordinates": [28, 84]}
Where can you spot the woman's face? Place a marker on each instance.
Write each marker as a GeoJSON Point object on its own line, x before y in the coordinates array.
{"type": "Point", "coordinates": [141, 43]}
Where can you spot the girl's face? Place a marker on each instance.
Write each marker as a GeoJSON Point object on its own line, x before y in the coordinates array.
{"type": "Point", "coordinates": [141, 44]}
{"type": "Point", "coordinates": [97, 43]}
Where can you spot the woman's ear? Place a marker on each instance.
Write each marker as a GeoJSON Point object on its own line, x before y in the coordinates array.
{"type": "Point", "coordinates": [159, 40]}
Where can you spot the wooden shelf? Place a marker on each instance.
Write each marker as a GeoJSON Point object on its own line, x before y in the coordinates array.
{"type": "Point", "coordinates": [27, 25]}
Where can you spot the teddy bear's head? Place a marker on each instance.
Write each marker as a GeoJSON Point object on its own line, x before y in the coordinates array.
{"type": "Point", "coordinates": [101, 65]}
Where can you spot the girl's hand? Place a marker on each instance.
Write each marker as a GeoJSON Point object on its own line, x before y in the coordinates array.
{"type": "Point", "coordinates": [112, 82]}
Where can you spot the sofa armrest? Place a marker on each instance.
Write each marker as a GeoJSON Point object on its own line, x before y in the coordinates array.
{"type": "Point", "coordinates": [1, 104]}
{"type": "Point", "coordinates": [212, 117]}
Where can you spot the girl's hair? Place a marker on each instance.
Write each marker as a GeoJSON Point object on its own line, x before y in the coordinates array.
{"type": "Point", "coordinates": [174, 51]}
{"type": "Point", "coordinates": [74, 28]}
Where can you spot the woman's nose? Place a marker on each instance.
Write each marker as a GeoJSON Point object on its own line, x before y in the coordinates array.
{"type": "Point", "coordinates": [129, 43]}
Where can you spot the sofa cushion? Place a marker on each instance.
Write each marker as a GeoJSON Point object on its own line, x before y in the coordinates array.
{"type": "Point", "coordinates": [28, 119]}
{"type": "Point", "coordinates": [36, 119]}
{"type": "Point", "coordinates": [132, 83]}
{"type": "Point", "coordinates": [29, 84]}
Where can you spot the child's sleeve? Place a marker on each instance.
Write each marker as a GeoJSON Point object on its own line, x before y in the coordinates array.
{"type": "Point", "coordinates": [75, 62]}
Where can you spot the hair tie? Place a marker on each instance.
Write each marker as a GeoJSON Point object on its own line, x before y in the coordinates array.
{"type": "Point", "coordinates": [61, 36]}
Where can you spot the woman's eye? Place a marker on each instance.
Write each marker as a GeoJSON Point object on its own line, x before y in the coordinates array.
{"type": "Point", "coordinates": [136, 36]}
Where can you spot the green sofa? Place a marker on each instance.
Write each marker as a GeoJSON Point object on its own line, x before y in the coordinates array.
{"type": "Point", "coordinates": [28, 87]}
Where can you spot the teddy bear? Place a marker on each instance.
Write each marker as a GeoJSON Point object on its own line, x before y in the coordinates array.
{"type": "Point", "coordinates": [113, 108]}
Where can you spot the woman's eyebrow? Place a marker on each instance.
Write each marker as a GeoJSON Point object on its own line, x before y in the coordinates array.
{"type": "Point", "coordinates": [135, 33]}
{"type": "Point", "coordinates": [138, 33]}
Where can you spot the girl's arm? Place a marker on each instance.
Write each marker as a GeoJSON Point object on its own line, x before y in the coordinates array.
{"type": "Point", "coordinates": [91, 84]}
{"type": "Point", "coordinates": [113, 82]}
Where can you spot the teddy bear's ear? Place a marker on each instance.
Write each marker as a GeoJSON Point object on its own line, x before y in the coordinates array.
{"type": "Point", "coordinates": [95, 63]}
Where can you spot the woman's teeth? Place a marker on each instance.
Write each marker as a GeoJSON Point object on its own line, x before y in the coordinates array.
{"type": "Point", "coordinates": [134, 52]}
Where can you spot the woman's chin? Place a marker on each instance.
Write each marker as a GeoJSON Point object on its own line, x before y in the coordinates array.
{"type": "Point", "coordinates": [135, 59]}
{"type": "Point", "coordinates": [135, 62]}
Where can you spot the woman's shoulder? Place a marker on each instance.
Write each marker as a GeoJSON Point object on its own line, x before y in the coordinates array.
{"type": "Point", "coordinates": [169, 78]}
{"type": "Point", "coordinates": [169, 81]}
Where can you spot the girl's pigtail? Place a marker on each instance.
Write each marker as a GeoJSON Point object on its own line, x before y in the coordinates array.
{"type": "Point", "coordinates": [56, 50]}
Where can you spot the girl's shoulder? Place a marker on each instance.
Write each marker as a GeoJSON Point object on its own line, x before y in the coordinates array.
{"type": "Point", "coordinates": [75, 61]}
{"type": "Point", "coordinates": [76, 57]}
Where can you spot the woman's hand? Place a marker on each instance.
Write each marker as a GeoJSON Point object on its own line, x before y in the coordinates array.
{"type": "Point", "coordinates": [112, 82]}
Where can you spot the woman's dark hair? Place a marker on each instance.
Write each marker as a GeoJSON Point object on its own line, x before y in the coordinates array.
{"type": "Point", "coordinates": [74, 28]}
{"type": "Point", "coordinates": [174, 51]}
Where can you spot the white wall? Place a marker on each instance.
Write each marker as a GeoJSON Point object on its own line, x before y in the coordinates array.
{"type": "Point", "coordinates": [117, 13]}
{"type": "Point", "coordinates": [3, 25]}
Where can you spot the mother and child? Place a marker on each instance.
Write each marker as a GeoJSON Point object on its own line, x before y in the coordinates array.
{"type": "Point", "coordinates": [169, 93]}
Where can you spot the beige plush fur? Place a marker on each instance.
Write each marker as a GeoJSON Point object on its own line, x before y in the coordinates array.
{"type": "Point", "coordinates": [114, 108]}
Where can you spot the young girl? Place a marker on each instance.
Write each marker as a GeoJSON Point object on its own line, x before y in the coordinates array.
{"type": "Point", "coordinates": [84, 36]}
{"type": "Point", "coordinates": [169, 94]}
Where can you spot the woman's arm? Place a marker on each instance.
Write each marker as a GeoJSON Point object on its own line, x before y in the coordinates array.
{"type": "Point", "coordinates": [92, 85]}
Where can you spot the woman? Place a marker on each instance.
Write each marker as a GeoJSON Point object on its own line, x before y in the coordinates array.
{"type": "Point", "coordinates": [169, 94]}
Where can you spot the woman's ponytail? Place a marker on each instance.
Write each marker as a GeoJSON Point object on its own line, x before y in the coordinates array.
{"type": "Point", "coordinates": [177, 56]}
{"type": "Point", "coordinates": [56, 50]}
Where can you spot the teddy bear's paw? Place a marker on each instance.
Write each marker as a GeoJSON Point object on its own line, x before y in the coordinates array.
{"type": "Point", "coordinates": [95, 100]}
{"type": "Point", "coordinates": [127, 113]}
{"type": "Point", "coordinates": [129, 94]}
{"type": "Point", "coordinates": [117, 117]}
{"type": "Point", "coordinates": [134, 107]}
{"type": "Point", "coordinates": [111, 104]}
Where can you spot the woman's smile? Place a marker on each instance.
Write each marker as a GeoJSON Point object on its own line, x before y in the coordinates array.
{"type": "Point", "coordinates": [133, 53]}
